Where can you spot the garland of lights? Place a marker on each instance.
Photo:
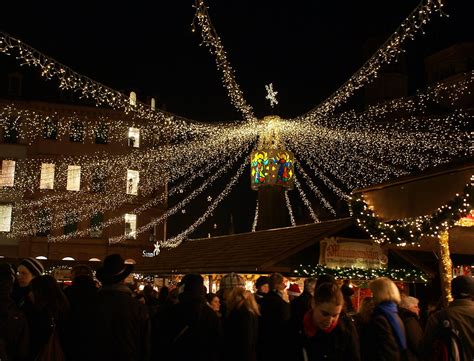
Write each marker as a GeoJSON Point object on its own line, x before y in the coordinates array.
{"type": "Point", "coordinates": [388, 52]}
{"type": "Point", "coordinates": [176, 240]}
{"type": "Point", "coordinates": [255, 219]}
{"type": "Point", "coordinates": [290, 210]}
{"type": "Point", "coordinates": [409, 231]}
{"type": "Point", "coordinates": [305, 200]}
{"type": "Point", "coordinates": [405, 275]}
{"type": "Point", "coordinates": [315, 189]}
{"type": "Point", "coordinates": [213, 42]}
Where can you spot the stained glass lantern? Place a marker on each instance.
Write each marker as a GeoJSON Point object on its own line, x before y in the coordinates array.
{"type": "Point", "coordinates": [271, 167]}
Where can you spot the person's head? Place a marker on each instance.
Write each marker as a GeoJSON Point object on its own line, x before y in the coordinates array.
{"type": "Point", "coordinates": [213, 301]}
{"type": "Point", "coordinates": [325, 279]}
{"type": "Point", "coordinates": [46, 295]}
{"type": "Point", "coordinates": [310, 285]}
{"type": "Point", "coordinates": [276, 281]}
{"type": "Point", "coordinates": [366, 308]}
{"type": "Point", "coordinates": [327, 305]}
{"type": "Point", "coordinates": [81, 270]}
{"type": "Point", "coordinates": [462, 287]}
{"type": "Point", "coordinates": [293, 291]}
{"type": "Point", "coordinates": [384, 290]}
{"type": "Point", "coordinates": [411, 304]}
{"type": "Point", "coordinates": [114, 270]}
{"type": "Point", "coordinates": [228, 282]}
{"type": "Point", "coordinates": [262, 284]}
{"type": "Point", "coordinates": [239, 297]}
{"type": "Point", "coordinates": [193, 285]}
{"type": "Point", "coordinates": [7, 278]}
{"type": "Point", "coordinates": [28, 269]}
{"type": "Point", "coordinates": [163, 294]}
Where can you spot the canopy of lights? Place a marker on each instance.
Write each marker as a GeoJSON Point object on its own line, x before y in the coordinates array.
{"type": "Point", "coordinates": [320, 152]}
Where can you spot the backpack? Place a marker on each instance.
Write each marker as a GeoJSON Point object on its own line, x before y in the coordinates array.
{"type": "Point", "coordinates": [447, 345]}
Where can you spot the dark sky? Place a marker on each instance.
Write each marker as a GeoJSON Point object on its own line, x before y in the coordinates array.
{"type": "Point", "coordinates": [306, 48]}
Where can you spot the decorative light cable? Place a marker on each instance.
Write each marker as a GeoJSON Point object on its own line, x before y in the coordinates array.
{"type": "Point", "coordinates": [388, 52]}
{"type": "Point", "coordinates": [315, 189]}
{"type": "Point", "coordinates": [445, 267]}
{"type": "Point", "coordinates": [176, 240]}
{"type": "Point", "coordinates": [290, 210]}
{"type": "Point", "coordinates": [305, 200]}
{"type": "Point", "coordinates": [211, 40]}
{"type": "Point", "coordinates": [255, 219]}
{"type": "Point", "coordinates": [165, 123]}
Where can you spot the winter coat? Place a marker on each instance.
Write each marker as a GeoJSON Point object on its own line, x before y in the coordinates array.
{"type": "Point", "coordinates": [299, 307]}
{"type": "Point", "coordinates": [274, 328]}
{"type": "Point", "coordinates": [190, 331]}
{"type": "Point", "coordinates": [82, 297]}
{"type": "Point", "coordinates": [382, 341]}
{"type": "Point", "coordinates": [461, 315]}
{"type": "Point", "coordinates": [240, 335]}
{"type": "Point", "coordinates": [14, 337]}
{"type": "Point", "coordinates": [121, 327]}
{"type": "Point", "coordinates": [340, 344]}
{"type": "Point", "coordinates": [413, 332]}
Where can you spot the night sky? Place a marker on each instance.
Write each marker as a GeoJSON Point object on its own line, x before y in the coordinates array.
{"type": "Point", "coordinates": [307, 49]}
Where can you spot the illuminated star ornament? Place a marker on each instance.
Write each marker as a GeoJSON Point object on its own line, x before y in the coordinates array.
{"type": "Point", "coordinates": [271, 95]}
{"type": "Point", "coordinates": [156, 251]}
{"type": "Point", "coordinates": [209, 199]}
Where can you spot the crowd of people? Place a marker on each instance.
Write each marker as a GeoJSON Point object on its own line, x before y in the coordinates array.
{"type": "Point", "coordinates": [89, 322]}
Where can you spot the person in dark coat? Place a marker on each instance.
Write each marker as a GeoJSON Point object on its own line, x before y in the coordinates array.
{"type": "Point", "coordinates": [122, 326]}
{"type": "Point", "coordinates": [361, 321]}
{"type": "Point", "coordinates": [14, 341]}
{"type": "Point", "coordinates": [347, 292]}
{"type": "Point", "coordinates": [262, 288]}
{"type": "Point", "coordinates": [409, 311]}
{"type": "Point", "coordinates": [82, 296]}
{"type": "Point", "coordinates": [299, 307]}
{"type": "Point", "coordinates": [329, 335]}
{"type": "Point", "coordinates": [191, 330]}
{"type": "Point", "coordinates": [274, 325]}
{"type": "Point", "coordinates": [50, 314]}
{"type": "Point", "coordinates": [386, 332]}
{"type": "Point", "coordinates": [240, 326]}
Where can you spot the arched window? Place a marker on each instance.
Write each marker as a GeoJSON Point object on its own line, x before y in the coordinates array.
{"type": "Point", "coordinates": [68, 259]}
{"type": "Point", "coordinates": [130, 261]}
{"type": "Point", "coordinates": [94, 260]}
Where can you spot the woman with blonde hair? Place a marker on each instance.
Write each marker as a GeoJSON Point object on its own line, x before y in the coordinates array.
{"type": "Point", "coordinates": [386, 330]}
{"type": "Point", "coordinates": [240, 325]}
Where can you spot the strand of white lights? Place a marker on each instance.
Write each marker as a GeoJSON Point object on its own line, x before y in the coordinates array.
{"type": "Point", "coordinates": [165, 123]}
{"type": "Point", "coordinates": [290, 210]}
{"type": "Point", "coordinates": [176, 240]}
{"type": "Point", "coordinates": [255, 219]}
{"type": "Point", "coordinates": [315, 189]}
{"type": "Point", "coordinates": [305, 200]}
{"type": "Point", "coordinates": [97, 203]}
{"type": "Point", "coordinates": [213, 42]}
{"type": "Point", "coordinates": [150, 203]}
{"type": "Point", "coordinates": [387, 53]}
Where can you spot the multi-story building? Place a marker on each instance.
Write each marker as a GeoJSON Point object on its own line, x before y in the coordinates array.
{"type": "Point", "coordinates": [51, 187]}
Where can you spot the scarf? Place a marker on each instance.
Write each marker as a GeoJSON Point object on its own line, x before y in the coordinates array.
{"type": "Point", "coordinates": [390, 312]}
{"type": "Point", "coordinates": [309, 327]}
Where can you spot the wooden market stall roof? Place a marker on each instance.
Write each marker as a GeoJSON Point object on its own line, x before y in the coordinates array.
{"type": "Point", "coordinates": [254, 252]}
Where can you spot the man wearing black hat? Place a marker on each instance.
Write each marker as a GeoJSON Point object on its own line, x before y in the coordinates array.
{"type": "Point", "coordinates": [121, 323]}
{"type": "Point", "coordinates": [458, 316]}
{"type": "Point", "coordinates": [13, 324]}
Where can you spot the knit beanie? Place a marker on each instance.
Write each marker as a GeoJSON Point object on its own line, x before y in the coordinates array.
{"type": "Point", "coordinates": [33, 265]}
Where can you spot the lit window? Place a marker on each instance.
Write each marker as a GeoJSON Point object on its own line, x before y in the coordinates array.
{"type": "Point", "coordinates": [153, 103]}
{"type": "Point", "coordinates": [41, 258]}
{"type": "Point", "coordinates": [130, 226]}
{"type": "Point", "coordinates": [73, 177]}
{"type": "Point", "coordinates": [94, 260]}
{"type": "Point", "coordinates": [68, 259]}
{"type": "Point", "coordinates": [5, 217]}
{"type": "Point", "coordinates": [132, 181]}
{"type": "Point", "coordinates": [133, 98]}
{"type": "Point", "coordinates": [134, 137]}
{"type": "Point", "coordinates": [47, 176]}
{"type": "Point", "coordinates": [7, 176]}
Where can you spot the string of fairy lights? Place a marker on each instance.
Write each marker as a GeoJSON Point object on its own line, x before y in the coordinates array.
{"type": "Point", "coordinates": [255, 218]}
{"type": "Point", "coordinates": [290, 210]}
{"type": "Point", "coordinates": [305, 200]}
{"type": "Point", "coordinates": [212, 41]}
{"type": "Point", "coordinates": [387, 53]}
